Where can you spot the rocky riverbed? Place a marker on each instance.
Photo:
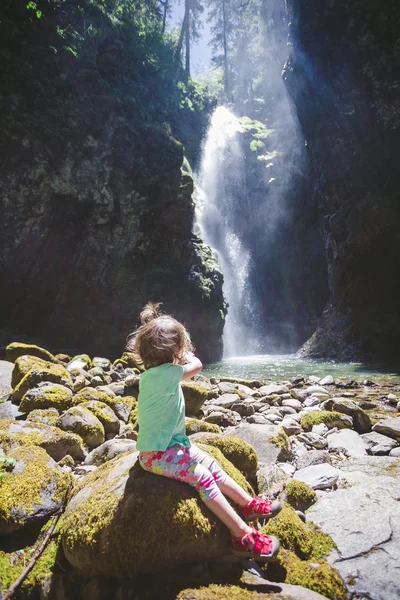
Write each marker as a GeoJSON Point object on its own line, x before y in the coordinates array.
{"type": "Point", "coordinates": [330, 449]}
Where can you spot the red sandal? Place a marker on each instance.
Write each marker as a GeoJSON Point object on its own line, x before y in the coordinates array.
{"type": "Point", "coordinates": [261, 509]}
{"type": "Point", "coordinates": [256, 545]}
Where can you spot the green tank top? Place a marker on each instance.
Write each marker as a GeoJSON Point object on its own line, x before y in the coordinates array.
{"type": "Point", "coordinates": [161, 411]}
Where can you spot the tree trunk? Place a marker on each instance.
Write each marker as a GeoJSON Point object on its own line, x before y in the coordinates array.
{"type": "Point", "coordinates": [187, 39]}
{"type": "Point", "coordinates": [226, 80]}
{"type": "Point", "coordinates": [183, 31]}
{"type": "Point", "coordinates": [165, 4]}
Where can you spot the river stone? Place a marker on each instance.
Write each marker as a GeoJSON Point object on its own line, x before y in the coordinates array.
{"type": "Point", "coordinates": [347, 441]}
{"type": "Point", "coordinates": [103, 363]}
{"type": "Point", "coordinates": [328, 380]}
{"type": "Point", "coordinates": [292, 403]}
{"type": "Point", "coordinates": [363, 520]}
{"type": "Point", "coordinates": [317, 390]}
{"type": "Point", "coordinates": [312, 401]}
{"type": "Point", "coordinates": [288, 591]}
{"type": "Point", "coordinates": [52, 373]}
{"type": "Point", "coordinates": [105, 415]}
{"type": "Point", "coordinates": [226, 400]}
{"type": "Point", "coordinates": [122, 515]}
{"type": "Point", "coordinates": [389, 427]}
{"type": "Point", "coordinates": [81, 361]}
{"type": "Point", "coordinates": [320, 429]}
{"type": "Point", "coordinates": [32, 491]}
{"type": "Point", "coordinates": [8, 410]}
{"type": "Point", "coordinates": [6, 369]}
{"type": "Point", "coordinates": [271, 479]}
{"type": "Point", "coordinates": [361, 421]}
{"type": "Point", "coordinates": [47, 395]}
{"type": "Point", "coordinates": [312, 457]}
{"type": "Point", "coordinates": [109, 450]}
{"type": "Point", "coordinates": [318, 477]}
{"type": "Point", "coordinates": [395, 452]}
{"type": "Point", "coordinates": [83, 422]}
{"type": "Point", "coordinates": [265, 439]}
{"type": "Point", "coordinates": [57, 443]}
{"type": "Point", "coordinates": [226, 387]}
{"type": "Point", "coordinates": [313, 439]}
{"type": "Point", "coordinates": [23, 365]}
{"type": "Point", "coordinates": [17, 349]}
{"type": "Point", "coordinates": [378, 444]}
{"type": "Point", "coordinates": [373, 466]}
{"type": "Point", "coordinates": [258, 419]}
{"type": "Point", "coordinates": [244, 408]}
{"type": "Point", "coordinates": [290, 426]}
{"type": "Point", "coordinates": [48, 416]}
{"type": "Point", "coordinates": [273, 388]}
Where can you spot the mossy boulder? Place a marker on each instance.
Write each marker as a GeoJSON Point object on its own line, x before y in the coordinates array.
{"type": "Point", "coordinates": [225, 592]}
{"type": "Point", "coordinates": [105, 415]}
{"type": "Point", "coordinates": [47, 395]}
{"type": "Point", "coordinates": [121, 406]}
{"type": "Point", "coordinates": [32, 491]}
{"type": "Point", "coordinates": [52, 373]}
{"type": "Point", "coordinates": [281, 440]}
{"type": "Point", "coordinates": [300, 495]}
{"type": "Point", "coordinates": [47, 416]}
{"type": "Point", "coordinates": [80, 361]}
{"type": "Point", "coordinates": [195, 395]}
{"type": "Point", "coordinates": [17, 349]}
{"type": "Point", "coordinates": [103, 363]}
{"type": "Point", "coordinates": [13, 563]}
{"type": "Point", "coordinates": [82, 421]}
{"type": "Point", "coordinates": [57, 443]}
{"type": "Point", "coordinates": [197, 426]}
{"type": "Point", "coordinates": [88, 394]}
{"type": "Point", "coordinates": [270, 441]}
{"type": "Point", "coordinates": [133, 416]}
{"type": "Point", "coordinates": [63, 358]}
{"type": "Point", "coordinates": [124, 521]}
{"type": "Point", "coordinates": [127, 360]}
{"type": "Point", "coordinates": [301, 558]}
{"type": "Point", "coordinates": [329, 418]}
{"type": "Point", "coordinates": [24, 364]}
{"type": "Point", "coordinates": [237, 451]}
{"type": "Point", "coordinates": [109, 450]}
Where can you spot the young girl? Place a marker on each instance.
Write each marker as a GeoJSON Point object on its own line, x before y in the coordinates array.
{"type": "Point", "coordinates": [164, 348]}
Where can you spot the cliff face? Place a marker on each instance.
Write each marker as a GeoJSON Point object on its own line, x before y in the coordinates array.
{"type": "Point", "coordinates": [95, 192]}
{"type": "Point", "coordinates": [344, 77]}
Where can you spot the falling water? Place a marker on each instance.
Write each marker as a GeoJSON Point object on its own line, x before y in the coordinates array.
{"type": "Point", "coordinates": [220, 203]}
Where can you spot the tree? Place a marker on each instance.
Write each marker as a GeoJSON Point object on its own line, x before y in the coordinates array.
{"type": "Point", "coordinates": [190, 30]}
{"type": "Point", "coordinates": [222, 17]}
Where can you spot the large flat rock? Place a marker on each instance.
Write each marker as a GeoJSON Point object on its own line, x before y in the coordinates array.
{"type": "Point", "coordinates": [363, 518]}
{"type": "Point", "coordinates": [5, 378]}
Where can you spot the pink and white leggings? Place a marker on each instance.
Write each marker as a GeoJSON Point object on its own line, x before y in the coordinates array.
{"type": "Point", "coordinates": [191, 465]}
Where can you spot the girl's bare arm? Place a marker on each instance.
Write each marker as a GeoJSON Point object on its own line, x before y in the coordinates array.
{"type": "Point", "coordinates": [192, 367]}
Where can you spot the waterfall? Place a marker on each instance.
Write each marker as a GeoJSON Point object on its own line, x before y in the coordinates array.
{"type": "Point", "coordinates": [221, 202]}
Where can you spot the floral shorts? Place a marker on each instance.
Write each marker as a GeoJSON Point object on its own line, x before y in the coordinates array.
{"type": "Point", "coordinates": [190, 465]}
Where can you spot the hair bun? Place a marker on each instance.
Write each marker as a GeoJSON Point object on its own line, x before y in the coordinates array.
{"type": "Point", "coordinates": [151, 311]}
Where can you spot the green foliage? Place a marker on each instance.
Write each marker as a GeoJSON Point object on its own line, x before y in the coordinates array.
{"type": "Point", "coordinates": [6, 465]}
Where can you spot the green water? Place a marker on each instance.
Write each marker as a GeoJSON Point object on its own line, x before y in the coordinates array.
{"type": "Point", "coordinates": [283, 367]}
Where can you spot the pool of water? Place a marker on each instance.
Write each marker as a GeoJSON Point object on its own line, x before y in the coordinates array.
{"type": "Point", "coordinates": [286, 366]}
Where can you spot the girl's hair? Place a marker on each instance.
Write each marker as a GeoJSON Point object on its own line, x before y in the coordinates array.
{"type": "Point", "coordinates": [160, 339]}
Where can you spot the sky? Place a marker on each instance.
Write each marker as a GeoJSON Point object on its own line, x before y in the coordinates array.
{"type": "Point", "coordinates": [201, 52]}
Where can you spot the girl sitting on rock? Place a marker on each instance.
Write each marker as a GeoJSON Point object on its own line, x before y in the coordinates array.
{"type": "Point", "coordinates": [164, 348]}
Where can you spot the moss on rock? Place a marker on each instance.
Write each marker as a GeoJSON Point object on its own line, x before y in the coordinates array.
{"type": "Point", "coordinates": [57, 443]}
{"type": "Point", "coordinates": [282, 441]}
{"type": "Point", "coordinates": [133, 417]}
{"type": "Point", "coordinates": [128, 360]}
{"type": "Point", "coordinates": [23, 365]}
{"type": "Point", "coordinates": [105, 415]}
{"type": "Point", "coordinates": [329, 418]}
{"type": "Point", "coordinates": [47, 395]}
{"type": "Point", "coordinates": [82, 421]}
{"type": "Point", "coordinates": [299, 495]}
{"type": "Point", "coordinates": [33, 490]}
{"type": "Point", "coordinates": [17, 349]}
{"type": "Point", "coordinates": [226, 592]}
{"type": "Point", "coordinates": [88, 393]}
{"type": "Point", "coordinates": [48, 416]}
{"type": "Point", "coordinates": [240, 453]}
{"type": "Point", "coordinates": [197, 426]}
{"type": "Point", "coordinates": [228, 467]}
{"type": "Point", "coordinates": [195, 395]}
{"type": "Point", "coordinates": [53, 374]}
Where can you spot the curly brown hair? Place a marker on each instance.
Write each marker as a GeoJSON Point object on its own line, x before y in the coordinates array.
{"type": "Point", "coordinates": [160, 339]}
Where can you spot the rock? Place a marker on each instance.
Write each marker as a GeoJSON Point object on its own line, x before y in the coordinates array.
{"type": "Point", "coordinates": [299, 495]}
{"type": "Point", "coordinates": [83, 422]}
{"type": "Point", "coordinates": [318, 477]}
{"type": "Point", "coordinates": [79, 383]}
{"type": "Point", "coordinates": [296, 404]}
{"type": "Point", "coordinates": [389, 427]}
{"type": "Point", "coordinates": [6, 369]}
{"type": "Point", "coordinates": [263, 590]}
{"type": "Point", "coordinates": [109, 450]}
{"type": "Point", "coordinates": [259, 419]}
{"type": "Point", "coordinates": [290, 427]}
{"type": "Point", "coordinates": [328, 380]}
{"type": "Point", "coordinates": [105, 415]}
{"type": "Point", "coordinates": [57, 443]}
{"type": "Point", "coordinates": [52, 373]}
{"type": "Point", "coordinates": [47, 395]}
{"type": "Point", "coordinates": [106, 528]}
{"type": "Point", "coordinates": [313, 439]}
{"type": "Point", "coordinates": [378, 444]}
{"type": "Point", "coordinates": [320, 429]}
{"type": "Point", "coordinates": [32, 491]}
{"type": "Point", "coordinates": [271, 480]}
{"type": "Point", "coordinates": [317, 390]}
{"type": "Point", "coordinates": [330, 419]}
{"type": "Point", "coordinates": [272, 417]}
{"type": "Point", "coordinates": [47, 416]}
{"type": "Point", "coordinates": [17, 349]}
{"type": "Point", "coordinates": [347, 441]}
{"type": "Point", "coordinates": [395, 452]}
{"type": "Point", "coordinates": [273, 388]}
{"type": "Point", "coordinates": [195, 395]}
{"type": "Point", "coordinates": [84, 470]}
{"type": "Point", "coordinates": [81, 361]}
{"type": "Point", "coordinates": [245, 408]}
{"type": "Point", "coordinates": [366, 533]}
{"type": "Point", "coordinates": [103, 363]}
{"type": "Point", "coordinates": [197, 426]}
{"type": "Point", "coordinates": [373, 466]}
{"type": "Point", "coordinates": [127, 431]}
{"type": "Point", "coordinates": [269, 441]}
{"type": "Point", "coordinates": [121, 406]}
{"type": "Point", "coordinates": [312, 457]}
{"type": "Point", "coordinates": [392, 399]}
{"type": "Point", "coordinates": [226, 400]}
{"type": "Point", "coordinates": [240, 453]}
{"type": "Point", "coordinates": [225, 387]}
{"type": "Point", "coordinates": [361, 421]}
{"type": "Point", "coordinates": [222, 416]}
{"type": "Point", "coordinates": [8, 410]}
{"type": "Point", "coordinates": [24, 364]}
{"type": "Point", "coordinates": [312, 401]}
